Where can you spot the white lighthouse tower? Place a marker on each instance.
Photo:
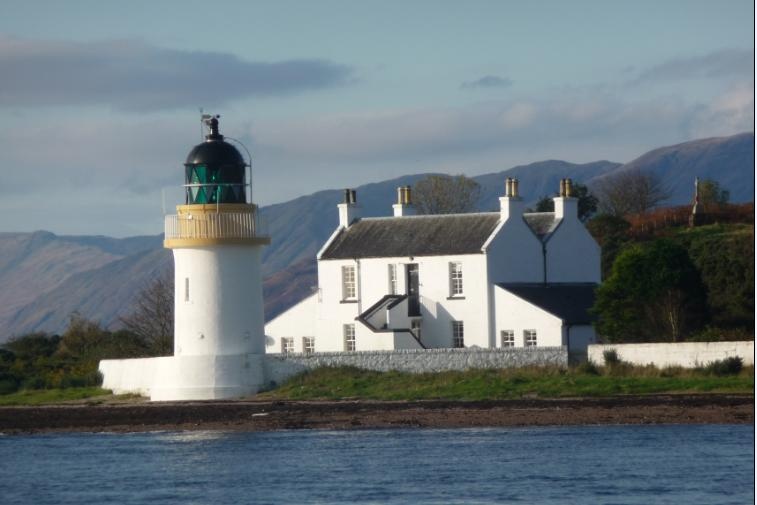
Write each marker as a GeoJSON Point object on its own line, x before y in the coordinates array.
{"type": "Point", "coordinates": [218, 329]}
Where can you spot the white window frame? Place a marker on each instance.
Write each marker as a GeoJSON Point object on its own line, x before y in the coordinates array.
{"type": "Point", "coordinates": [507, 338]}
{"type": "Point", "coordinates": [287, 345]}
{"type": "Point", "coordinates": [349, 337]}
{"type": "Point", "coordinates": [415, 327]}
{"type": "Point", "coordinates": [308, 345]}
{"type": "Point", "coordinates": [392, 279]}
{"type": "Point", "coordinates": [530, 338]}
{"type": "Point", "coordinates": [349, 283]}
{"type": "Point", "coordinates": [455, 278]}
{"type": "Point", "coordinates": [458, 335]}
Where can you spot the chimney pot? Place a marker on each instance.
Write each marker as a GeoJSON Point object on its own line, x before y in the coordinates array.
{"type": "Point", "coordinates": [408, 195]}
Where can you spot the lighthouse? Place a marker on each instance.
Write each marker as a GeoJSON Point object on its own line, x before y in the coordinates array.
{"type": "Point", "coordinates": [216, 242]}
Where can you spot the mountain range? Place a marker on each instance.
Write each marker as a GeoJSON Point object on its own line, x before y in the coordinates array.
{"type": "Point", "coordinates": [47, 277]}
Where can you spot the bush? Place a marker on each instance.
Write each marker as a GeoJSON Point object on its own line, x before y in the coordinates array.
{"type": "Point", "coordinates": [611, 357]}
{"type": "Point", "coordinates": [728, 366]}
{"type": "Point", "coordinates": [588, 368]}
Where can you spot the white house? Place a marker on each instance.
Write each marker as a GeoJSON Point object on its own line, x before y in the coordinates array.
{"type": "Point", "coordinates": [494, 279]}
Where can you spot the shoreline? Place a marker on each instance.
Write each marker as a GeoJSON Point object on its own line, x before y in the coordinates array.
{"type": "Point", "coordinates": [256, 415]}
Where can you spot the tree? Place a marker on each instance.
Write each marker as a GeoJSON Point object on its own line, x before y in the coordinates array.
{"type": "Point", "coordinates": [587, 202]}
{"type": "Point", "coordinates": [611, 233]}
{"type": "Point", "coordinates": [653, 293]}
{"type": "Point", "coordinates": [151, 318]}
{"type": "Point", "coordinates": [630, 192]}
{"type": "Point", "coordinates": [445, 194]}
{"type": "Point", "coordinates": [711, 195]}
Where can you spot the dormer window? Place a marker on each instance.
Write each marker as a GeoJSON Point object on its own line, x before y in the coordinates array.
{"type": "Point", "coordinates": [348, 283]}
{"type": "Point", "coordinates": [456, 278]}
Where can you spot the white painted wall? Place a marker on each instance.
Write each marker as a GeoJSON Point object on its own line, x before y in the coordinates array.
{"type": "Point", "coordinates": [683, 354]}
{"type": "Point", "coordinates": [224, 312]}
{"type": "Point", "coordinates": [572, 253]}
{"type": "Point", "coordinates": [514, 313]}
{"type": "Point", "coordinates": [297, 322]}
{"type": "Point", "coordinates": [175, 378]}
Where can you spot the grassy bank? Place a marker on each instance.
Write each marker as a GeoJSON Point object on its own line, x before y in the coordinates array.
{"type": "Point", "coordinates": [353, 383]}
{"type": "Point", "coordinates": [47, 396]}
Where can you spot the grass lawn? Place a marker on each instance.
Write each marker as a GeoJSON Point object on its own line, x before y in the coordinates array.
{"type": "Point", "coordinates": [543, 382]}
{"type": "Point", "coordinates": [44, 396]}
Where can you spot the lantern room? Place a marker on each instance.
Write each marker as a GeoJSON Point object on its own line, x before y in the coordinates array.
{"type": "Point", "coordinates": [214, 171]}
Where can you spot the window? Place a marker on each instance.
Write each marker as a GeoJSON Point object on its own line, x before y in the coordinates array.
{"type": "Point", "coordinates": [508, 338]}
{"type": "Point", "coordinates": [529, 338]}
{"type": "Point", "coordinates": [458, 339]}
{"type": "Point", "coordinates": [308, 345]}
{"type": "Point", "coordinates": [348, 282]}
{"type": "Point", "coordinates": [392, 279]}
{"type": "Point", "coordinates": [287, 345]}
{"type": "Point", "coordinates": [186, 289]}
{"type": "Point", "coordinates": [415, 327]}
{"type": "Point", "coordinates": [349, 337]}
{"type": "Point", "coordinates": [456, 279]}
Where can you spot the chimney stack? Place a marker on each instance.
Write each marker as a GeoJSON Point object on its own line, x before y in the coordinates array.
{"type": "Point", "coordinates": [404, 205]}
{"type": "Point", "coordinates": [510, 204]}
{"type": "Point", "coordinates": [566, 206]}
{"type": "Point", "coordinates": [348, 210]}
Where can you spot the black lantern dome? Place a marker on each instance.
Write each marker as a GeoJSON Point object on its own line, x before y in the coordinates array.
{"type": "Point", "coordinates": [214, 171]}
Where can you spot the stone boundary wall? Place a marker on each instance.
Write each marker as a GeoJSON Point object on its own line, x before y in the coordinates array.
{"type": "Point", "coordinates": [683, 354]}
{"type": "Point", "coordinates": [280, 367]}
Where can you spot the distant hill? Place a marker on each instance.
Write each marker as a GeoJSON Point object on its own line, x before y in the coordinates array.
{"type": "Point", "coordinates": [728, 160]}
{"type": "Point", "coordinates": [46, 277]}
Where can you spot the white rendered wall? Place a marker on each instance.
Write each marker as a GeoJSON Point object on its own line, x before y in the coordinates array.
{"type": "Point", "coordinates": [437, 310]}
{"type": "Point", "coordinates": [514, 313]}
{"type": "Point", "coordinates": [683, 354]}
{"type": "Point", "coordinates": [572, 253]}
{"type": "Point", "coordinates": [175, 378]}
{"type": "Point", "coordinates": [224, 312]}
{"type": "Point", "coordinates": [514, 254]}
{"type": "Point", "coordinates": [297, 322]}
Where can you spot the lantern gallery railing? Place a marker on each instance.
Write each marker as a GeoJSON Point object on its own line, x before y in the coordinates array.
{"type": "Point", "coordinates": [211, 225]}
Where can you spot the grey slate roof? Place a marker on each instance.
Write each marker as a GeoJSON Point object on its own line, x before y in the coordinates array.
{"type": "Point", "coordinates": [541, 223]}
{"type": "Point", "coordinates": [570, 301]}
{"type": "Point", "coordinates": [413, 236]}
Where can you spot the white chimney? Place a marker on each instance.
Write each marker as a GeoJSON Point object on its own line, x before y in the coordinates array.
{"type": "Point", "coordinates": [348, 210]}
{"type": "Point", "coordinates": [566, 206]}
{"type": "Point", "coordinates": [404, 205]}
{"type": "Point", "coordinates": [510, 204]}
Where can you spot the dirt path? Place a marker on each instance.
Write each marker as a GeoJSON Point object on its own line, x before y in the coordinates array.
{"type": "Point", "coordinates": [266, 416]}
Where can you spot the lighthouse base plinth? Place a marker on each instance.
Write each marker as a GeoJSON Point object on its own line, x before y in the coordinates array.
{"type": "Point", "coordinates": [180, 378]}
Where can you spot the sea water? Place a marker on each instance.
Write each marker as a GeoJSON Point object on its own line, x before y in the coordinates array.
{"type": "Point", "coordinates": [582, 465]}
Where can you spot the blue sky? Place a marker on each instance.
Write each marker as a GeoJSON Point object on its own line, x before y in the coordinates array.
{"type": "Point", "coordinates": [101, 99]}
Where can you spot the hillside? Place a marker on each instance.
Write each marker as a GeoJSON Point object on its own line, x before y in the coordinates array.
{"type": "Point", "coordinates": [47, 276]}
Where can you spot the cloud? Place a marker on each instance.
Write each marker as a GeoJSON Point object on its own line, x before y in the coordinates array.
{"type": "Point", "coordinates": [438, 133]}
{"type": "Point", "coordinates": [488, 81]}
{"type": "Point", "coordinates": [134, 76]}
{"type": "Point", "coordinates": [718, 64]}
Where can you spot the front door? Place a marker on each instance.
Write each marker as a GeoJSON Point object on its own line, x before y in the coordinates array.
{"type": "Point", "coordinates": [413, 298]}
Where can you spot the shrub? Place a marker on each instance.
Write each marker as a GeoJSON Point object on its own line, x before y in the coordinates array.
{"type": "Point", "coordinates": [728, 366]}
{"type": "Point", "coordinates": [588, 368]}
{"type": "Point", "coordinates": [611, 357]}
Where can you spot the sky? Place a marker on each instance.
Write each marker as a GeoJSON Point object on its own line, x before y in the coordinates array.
{"type": "Point", "coordinates": [101, 100]}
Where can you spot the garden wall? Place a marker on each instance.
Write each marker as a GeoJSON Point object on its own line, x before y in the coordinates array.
{"type": "Point", "coordinates": [281, 367]}
{"type": "Point", "coordinates": [683, 354]}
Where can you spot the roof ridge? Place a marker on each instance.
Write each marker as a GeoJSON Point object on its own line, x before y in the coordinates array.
{"type": "Point", "coordinates": [420, 216]}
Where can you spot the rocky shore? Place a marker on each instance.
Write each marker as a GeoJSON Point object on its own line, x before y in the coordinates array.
{"type": "Point", "coordinates": [328, 415]}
